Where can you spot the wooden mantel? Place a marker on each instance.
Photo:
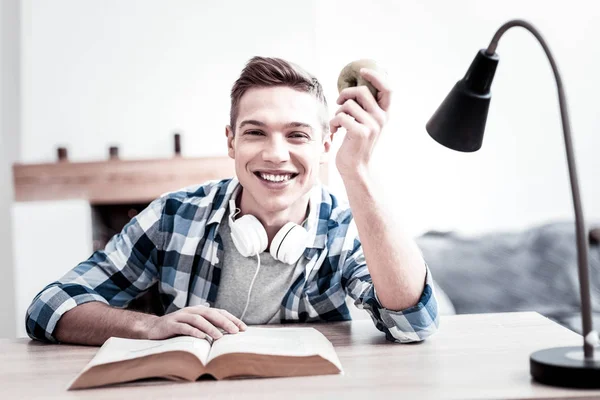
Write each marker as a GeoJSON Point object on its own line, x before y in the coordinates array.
{"type": "Point", "coordinates": [115, 181]}
{"type": "Point", "coordinates": [118, 181]}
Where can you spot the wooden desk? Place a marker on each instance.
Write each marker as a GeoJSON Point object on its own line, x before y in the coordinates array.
{"type": "Point", "coordinates": [472, 356]}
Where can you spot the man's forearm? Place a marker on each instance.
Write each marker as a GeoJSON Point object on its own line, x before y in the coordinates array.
{"type": "Point", "coordinates": [393, 258]}
{"type": "Point", "coordinates": [93, 323]}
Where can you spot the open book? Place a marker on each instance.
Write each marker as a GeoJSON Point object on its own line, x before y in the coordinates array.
{"type": "Point", "coordinates": [256, 352]}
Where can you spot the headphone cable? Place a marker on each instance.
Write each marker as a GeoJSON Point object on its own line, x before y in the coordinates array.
{"type": "Point", "coordinates": [250, 289]}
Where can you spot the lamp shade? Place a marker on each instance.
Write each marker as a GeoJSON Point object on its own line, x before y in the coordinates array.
{"type": "Point", "coordinates": [459, 122]}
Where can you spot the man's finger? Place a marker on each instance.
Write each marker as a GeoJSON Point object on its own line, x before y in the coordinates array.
{"type": "Point", "coordinates": [238, 322]}
{"type": "Point", "coordinates": [352, 108]}
{"type": "Point", "coordinates": [219, 320]}
{"type": "Point", "coordinates": [362, 96]}
{"type": "Point", "coordinates": [353, 128]}
{"type": "Point", "coordinates": [379, 80]}
{"type": "Point", "coordinates": [188, 330]}
{"type": "Point", "coordinates": [199, 322]}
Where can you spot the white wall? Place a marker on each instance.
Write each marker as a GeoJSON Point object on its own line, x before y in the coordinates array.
{"type": "Point", "coordinates": [42, 256]}
{"type": "Point", "coordinates": [519, 177]}
{"type": "Point", "coordinates": [9, 135]}
{"type": "Point", "coordinates": [126, 72]}
{"type": "Point", "coordinates": [130, 72]}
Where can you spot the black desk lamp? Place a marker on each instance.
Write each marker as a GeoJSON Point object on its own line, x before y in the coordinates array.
{"type": "Point", "coordinates": [459, 123]}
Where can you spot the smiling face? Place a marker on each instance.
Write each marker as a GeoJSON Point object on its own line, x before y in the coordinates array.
{"type": "Point", "coordinates": [278, 146]}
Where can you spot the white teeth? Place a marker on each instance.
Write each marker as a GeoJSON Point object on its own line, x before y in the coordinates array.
{"type": "Point", "coordinates": [275, 178]}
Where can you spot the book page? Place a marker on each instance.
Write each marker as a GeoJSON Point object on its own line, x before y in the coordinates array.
{"type": "Point", "coordinates": [299, 342]}
{"type": "Point", "coordinates": [120, 349]}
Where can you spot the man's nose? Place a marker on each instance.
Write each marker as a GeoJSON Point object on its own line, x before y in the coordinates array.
{"type": "Point", "coordinates": [276, 150]}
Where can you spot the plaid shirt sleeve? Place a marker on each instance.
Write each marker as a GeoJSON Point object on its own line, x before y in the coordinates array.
{"type": "Point", "coordinates": [413, 324]}
{"type": "Point", "coordinates": [125, 269]}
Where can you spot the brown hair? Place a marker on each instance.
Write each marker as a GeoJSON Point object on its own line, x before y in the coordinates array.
{"type": "Point", "coordinates": [269, 72]}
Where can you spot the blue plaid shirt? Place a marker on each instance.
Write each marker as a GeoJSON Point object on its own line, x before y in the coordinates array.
{"type": "Point", "coordinates": [175, 241]}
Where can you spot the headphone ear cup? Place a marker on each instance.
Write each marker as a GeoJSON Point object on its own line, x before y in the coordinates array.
{"type": "Point", "coordinates": [248, 235]}
{"type": "Point", "coordinates": [289, 243]}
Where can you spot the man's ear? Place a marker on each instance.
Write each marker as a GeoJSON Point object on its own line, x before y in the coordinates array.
{"type": "Point", "coordinates": [326, 146]}
{"type": "Point", "coordinates": [230, 138]}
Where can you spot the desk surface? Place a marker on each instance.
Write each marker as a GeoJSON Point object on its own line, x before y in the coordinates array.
{"type": "Point", "coordinates": [472, 356]}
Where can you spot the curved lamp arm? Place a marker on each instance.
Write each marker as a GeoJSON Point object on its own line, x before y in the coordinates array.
{"type": "Point", "coordinates": [582, 246]}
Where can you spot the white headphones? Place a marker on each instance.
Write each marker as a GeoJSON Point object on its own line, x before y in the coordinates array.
{"type": "Point", "coordinates": [250, 238]}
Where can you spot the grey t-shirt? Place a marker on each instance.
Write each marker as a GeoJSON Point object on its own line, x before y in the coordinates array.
{"type": "Point", "coordinates": [272, 283]}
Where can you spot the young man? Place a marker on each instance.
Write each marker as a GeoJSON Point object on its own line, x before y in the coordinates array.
{"type": "Point", "coordinates": [207, 253]}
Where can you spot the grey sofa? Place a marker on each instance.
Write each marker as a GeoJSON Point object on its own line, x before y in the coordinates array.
{"type": "Point", "coordinates": [529, 270]}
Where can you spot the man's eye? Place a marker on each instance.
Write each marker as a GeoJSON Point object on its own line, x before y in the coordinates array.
{"type": "Point", "coordinates": [299, 135]}
{"type": "Point", "coordinates": [254, 133]}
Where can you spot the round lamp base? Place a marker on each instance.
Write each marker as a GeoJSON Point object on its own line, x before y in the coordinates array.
{"type": "Point", "coordinates": [566, 367]}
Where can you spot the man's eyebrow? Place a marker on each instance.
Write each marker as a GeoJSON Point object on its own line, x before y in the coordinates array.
{"type": "Point", "coordinates": [262, 124]}
{"type": "Point", "coordinates": [297, 125]}
{"type": "Point", "coordinates": [252, 122]}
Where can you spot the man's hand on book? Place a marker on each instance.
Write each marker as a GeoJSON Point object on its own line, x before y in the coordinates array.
{"type": "Point", "coordinates": [198, 321]}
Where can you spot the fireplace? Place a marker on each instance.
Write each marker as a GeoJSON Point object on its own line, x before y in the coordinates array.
{"type": "Point", "coordinates": [109, 219]}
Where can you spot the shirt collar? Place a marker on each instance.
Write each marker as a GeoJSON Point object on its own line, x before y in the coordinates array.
{"type": "Point", "coordinates": [221, 201]}
{"type": "Point", "coordinates": [316, 225]}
